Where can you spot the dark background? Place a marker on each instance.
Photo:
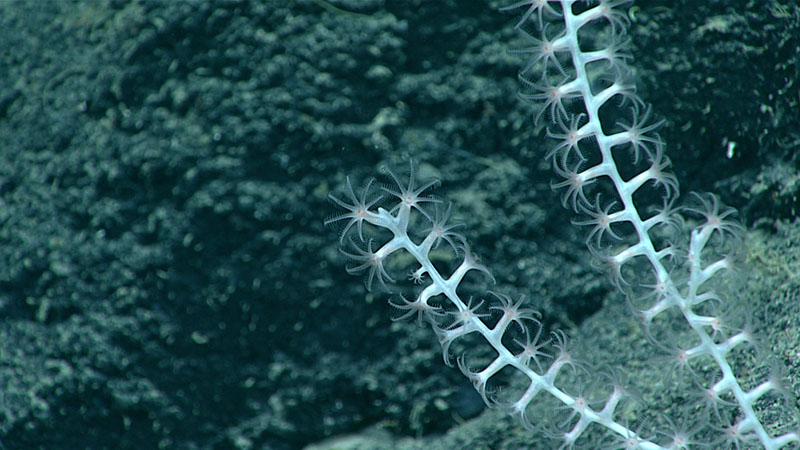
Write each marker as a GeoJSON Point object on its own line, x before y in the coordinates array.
{"type": "Point", "coordinates": [166, 280]}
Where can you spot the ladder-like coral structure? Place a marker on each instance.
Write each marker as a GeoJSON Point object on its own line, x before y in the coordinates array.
{"type": "Point", "coordinates": [615, 173]}
{"type": "Point", "coordinates": [612, 171]}
{"type": "Point", "coordinates": [515, 336]}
